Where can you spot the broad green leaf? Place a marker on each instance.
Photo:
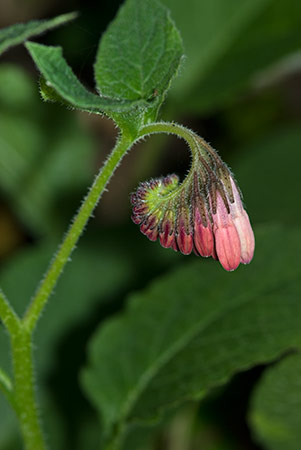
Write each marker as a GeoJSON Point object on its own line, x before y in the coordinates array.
{"type": "Point", "coordinates": [267, 171]}
{"type": "Point", "coordinates": [192, 330]}
{"type": "Point", "coordinates": [16, 34]}
{"type": "Point", "coordinates": [229, 44]}
{"type": "Point", "coordinates": [276, 406]}
{"type": "Point", "coordinates": [60, 79]}
{"type": "Point", "coordinates": [139, 54]}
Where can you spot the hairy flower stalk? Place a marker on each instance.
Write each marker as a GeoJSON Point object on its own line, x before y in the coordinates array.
{"type": "Point", "coordinates": [204, 214]}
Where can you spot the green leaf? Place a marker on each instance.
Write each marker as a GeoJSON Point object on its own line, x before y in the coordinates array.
{"type": "Point", "coordinates": [229, 44]}
{"type": "Point", "coordinates": [139, 54]}
{"type": "Point", "coordinates": [276, 406]}
{"type": "Point", "coordinates": [192, 330]}
{"type": "Point", "coordinates": [16, 34]}
{"type": "Point", "coordinates": [60, 79]}
{"type": "Point", "coordinates": [49, 94]}
{"type": "Point", "coordinates": [137, 58]}
{"type": "Point", "coordinates": [267, 170]}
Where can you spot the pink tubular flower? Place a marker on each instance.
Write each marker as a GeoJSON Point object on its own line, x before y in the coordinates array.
{"type": "Point", "coordinates": [243, 226]}
{"type": "Point", "coordinates": [227, 242]}
{"type": "Point", "coordinates": [204, 214]}
{"type": "Point", "coordinates": [203, 235]}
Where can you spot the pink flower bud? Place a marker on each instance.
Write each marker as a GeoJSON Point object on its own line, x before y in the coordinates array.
{"type": "Point", "coordinates": [167, 235]}
{"type": "Point", "coordinates": [184, 237]}
{"type": "Point", "coordinates": [227, 243]}
{"type": "Point", "coordinates": [243, 226]}
{"type": "Point", "coordinates": [203, 235]}
{"type": "Point", "coordinates": [149, 227]}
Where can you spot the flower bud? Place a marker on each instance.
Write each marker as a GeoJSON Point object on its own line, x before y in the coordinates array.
{"type": "Point", "coordinates": [203, 235]}
{"type": "Point", "coordinates": [167, 232]}
{"type": "Point", "coordinates": [227, 243]}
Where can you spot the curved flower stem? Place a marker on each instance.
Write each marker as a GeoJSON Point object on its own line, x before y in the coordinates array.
{"type": "Point", "coordinates": [172, 128]}
{"type": "Point", "coordinates": [189, 136]}
{"type": "Point", "coordinates": [61, 258]}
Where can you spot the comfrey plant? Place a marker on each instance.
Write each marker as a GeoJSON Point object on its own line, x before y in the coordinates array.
{"type": "Point", "coordinates": [137, 59]}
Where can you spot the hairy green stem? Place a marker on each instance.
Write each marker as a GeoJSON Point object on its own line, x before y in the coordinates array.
{"type": "Point", "coordinates": [48, 283]}
{"type": "Point", "coordinates": [21, 392]}
{"type": "Point", "coordinates": [172, 128]}
{"type": "Point", "coordinates": [189, 136]}
{"type": "Point", "coordinates": [25, 403]}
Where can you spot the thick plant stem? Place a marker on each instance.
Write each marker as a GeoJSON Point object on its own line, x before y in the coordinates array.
{"type": "Point", "coordinates": [75, 230]}
{"type": "Point", "coordinates": [25, 403]}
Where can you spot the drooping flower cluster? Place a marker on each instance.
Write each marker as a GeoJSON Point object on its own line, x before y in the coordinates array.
{"type": "Point", "coordinates": [204, 214]}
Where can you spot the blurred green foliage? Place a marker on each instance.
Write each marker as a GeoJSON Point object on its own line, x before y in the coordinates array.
{"type": "Point", "coordinates": [228, 45]}
{"type": "Point", "coordinates": [44, 152]}
{"type": "Point", "coordinates": [276, 404]}
{"type": "Point", "coordinates": [239, 89]}
{"type": "Point", "coordinates": [18, 33]}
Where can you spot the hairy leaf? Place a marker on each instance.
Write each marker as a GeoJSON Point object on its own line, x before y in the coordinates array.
{"type": "Point", "coordinates": [192, 330]}
{"type": "Point", "coordinates": [139, 54]}
{"type": "Point", "coordinates": [16, 34]}
{"type": "Point", "coordinates": [276, 406]}
{"type": "Point", "coordinates": [60, 78]}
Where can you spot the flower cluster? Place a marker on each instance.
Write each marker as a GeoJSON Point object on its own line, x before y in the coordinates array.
{"type": "Point", "coordinates": [204, 214]}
